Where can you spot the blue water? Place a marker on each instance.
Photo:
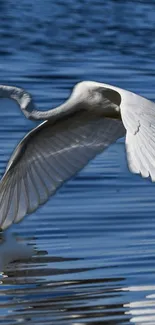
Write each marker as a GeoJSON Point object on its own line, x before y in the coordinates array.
{"type": "Point", "coordinates": [91, 249]}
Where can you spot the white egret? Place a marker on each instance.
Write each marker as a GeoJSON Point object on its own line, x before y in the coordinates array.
{"type": "Point", "coordinates": [95, 115]}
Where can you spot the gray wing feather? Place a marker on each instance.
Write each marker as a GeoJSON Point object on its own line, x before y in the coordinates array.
{"type": "Point", "coordinates": [48, 156]}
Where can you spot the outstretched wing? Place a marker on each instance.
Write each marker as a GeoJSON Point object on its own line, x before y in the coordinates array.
{"type": "Point", "coordinates": [138, 116]}
{"type": "Point", "coordinates": [48, 156]}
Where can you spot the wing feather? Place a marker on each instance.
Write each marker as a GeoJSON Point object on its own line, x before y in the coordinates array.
{"type": "Point", "coordinates": [49, 156]}
{"type": "Point", "coordinates": [138, 116]}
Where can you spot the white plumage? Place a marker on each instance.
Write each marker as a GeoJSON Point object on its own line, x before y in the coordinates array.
{"type": "Point", "coordinates": [94, 116]}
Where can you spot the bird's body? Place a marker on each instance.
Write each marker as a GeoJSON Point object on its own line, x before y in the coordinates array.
{"type": "Point", "coordinates": [94, 116]}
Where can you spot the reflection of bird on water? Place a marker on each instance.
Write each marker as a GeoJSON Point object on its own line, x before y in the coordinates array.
{"type": "Point", "coordinates": [12, 250]}
{"type": "Point", "coordinates": [94, 116]}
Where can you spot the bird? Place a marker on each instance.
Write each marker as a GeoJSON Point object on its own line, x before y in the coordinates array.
{"type": "Point", "coordinates": [70, 135]}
